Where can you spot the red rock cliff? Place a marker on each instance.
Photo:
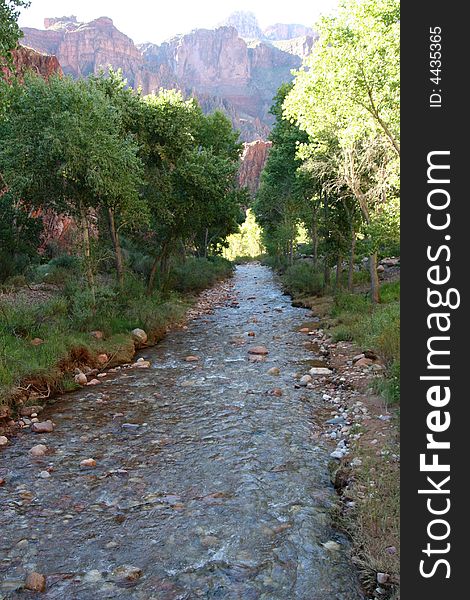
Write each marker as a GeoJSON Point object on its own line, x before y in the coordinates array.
{"type": "Point", "coordinates": [216, 65]}
{"type": "Point", "coordinates": [253, 160]}
{"type": "Point", "coordinates": [26, 59]}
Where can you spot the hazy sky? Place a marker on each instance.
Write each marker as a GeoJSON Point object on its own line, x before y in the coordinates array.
{"type": "Point", "coordinates": [153, 21]}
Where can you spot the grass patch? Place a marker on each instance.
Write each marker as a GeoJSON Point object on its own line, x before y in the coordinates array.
{"type": "Point", "coordinates": [302, 279]}
{"type": "Point", "coordinates": [374, 522]}
{"type": "Point", "coordinates": [64, 324]}
{"type": "Point", "coordinates": [197, 274]}
{"type": "Point", "coordinates": [373, 328]}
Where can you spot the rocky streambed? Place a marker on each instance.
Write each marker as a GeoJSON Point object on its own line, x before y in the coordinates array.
{"type": "Point", "coordinates": [202, 476]}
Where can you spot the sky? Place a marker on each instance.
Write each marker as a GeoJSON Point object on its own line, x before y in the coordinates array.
{"type": "Point", "coordinates": [154, 21]}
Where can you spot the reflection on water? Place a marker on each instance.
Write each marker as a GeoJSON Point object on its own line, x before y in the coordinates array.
{"type": "Point", "coordinates": [205, 486]}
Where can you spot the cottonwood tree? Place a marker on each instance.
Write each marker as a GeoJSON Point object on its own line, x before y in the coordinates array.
{"type": "Point", "coordinates": [61, 148]}
{"type": "Point", "coordinates": [348, 90]}
{"type": "Point", "coordinates": [284, 190]}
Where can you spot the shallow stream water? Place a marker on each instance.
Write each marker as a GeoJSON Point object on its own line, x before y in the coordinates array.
{"type": "Point", "coordinates": [206, 485]}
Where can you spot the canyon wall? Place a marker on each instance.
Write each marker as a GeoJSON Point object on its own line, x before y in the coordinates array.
{"type": "Point", "coordinates": [254, 158]}
{"type": "Point", "coordinates": [218, 66]}
{"type": "Point", "coordinates": [27, 59]}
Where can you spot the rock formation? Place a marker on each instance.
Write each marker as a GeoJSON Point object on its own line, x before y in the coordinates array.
{"type": "Point", "coordinates": [281, 31]}
{"type": "Point", "coordinates": [85, 48]}
{"type": "Point", "coordinates": [218, 66]}
{"type": "Point", "coordinates": [246, 24]}
{"type": "Point", "coordinates": [253, 161]}
{"type": "Point", "coordinates": [236, 68]}
{"type": "Point", "coordinates": [27, 59]}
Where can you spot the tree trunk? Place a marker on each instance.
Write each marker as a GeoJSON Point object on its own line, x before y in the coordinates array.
{"type": "Point", "coordinates": [352, 258]}
{"type": "Point", "coordinates": [87, 254]}
{"type": "Point", "coordinates": [183, 250]}
{"type": "Point", "coordinates": [206, 240]}
{"type": "Point", "coordinates": [152, 276]}
{"type": "Point", "coordinates": [326, 272]}
{"type": "Point", "coordinates": [291, 252]}
{"type": "Point", "coordinates": [339, 271]}
{"type": "Point", "coordinates": [326, 266]}
{"type": "Point", "coordinates": [160, 261]}
{"type": "Point", "coordinates": [374, 279]}
{"type": "Point", "coordinates": [117, 248]}
{"type": "Point", "coordinates": [315, 240]}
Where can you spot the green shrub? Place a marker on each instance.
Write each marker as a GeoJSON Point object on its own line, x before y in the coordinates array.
{"type": "Point", "coordinates": [351, 303]}
{"type": "Point", "coordinates": [381, 332]}
{"type": "Point", "coordinates": [342, 333]}
{"type": "Point", "coordinates": [389, 386]}
{"type": "Point", "coordinates": [66, 261]}
{"type": "Point", "coordinates": [56, 276]}
{"type": "Point", "coordinates": [196, 274]}
{"type": "Point", "coordinates": [276, 262]}
{"type": "Point", "coordinates": [302, 279]}
{"type": "Point", "coordinates": [14, 283]}
{"type": "Point", "coordinates": [390, 292]}
{"type": "Point", "coordinates": [373, 328]}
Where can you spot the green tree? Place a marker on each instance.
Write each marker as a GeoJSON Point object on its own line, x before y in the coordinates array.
{"type": "Point", "coordinates": [10, 33]}
{"type": "Point", "coordinates": [281, 200]}
{"type": "Point", "coordinates": [346, 98]}
{"type": "Point", "coordinates": [61, 148]}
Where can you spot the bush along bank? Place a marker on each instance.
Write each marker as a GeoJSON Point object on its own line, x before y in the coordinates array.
{"type": "Point", "coordinates": [356, 364]}
{"type": "Point", "coordinates": [55, 338]}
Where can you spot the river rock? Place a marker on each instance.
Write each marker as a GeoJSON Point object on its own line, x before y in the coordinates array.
{"type": "Point", "coordinates": [139, 336]}
{"type": "Point", "coordinates": [256, 358]}
{"type": "Point", "coordinates": [93, 576]}
{"type": "Point", "coordinates": [276, 392]}
{"type": "Point", "coordinates": [81, 379]}
{"type": "Point", "coordinates": [127, 573]}
{"type": "Point", "coordinates": [43, 427]}
{"type": "Point", "coordinates": [274, 371]}
{"type": "Point", "coordinates": [337, 454]}
{"type": "Point", "coordinates": [88, 462]}
{"type": "Point", "coordinates": [336, 421]}
{"type": "Point", "coordinates": [94, 382]}
{"type": "Point", "coordinates": [102, 359]}
{"type": "Point", "coordinates": [332, 546]}
{"type": "Point", "coordinates": [141, 364]}
{"type": "Point", "coordinates": [382, 578]}
{"type": "Point", "coordinates": [44, 475]}
{"type": "Point", "coordinates": [358, 357]}
{"type": "Point", "coordinates": [390, 262]}
{"type": "Point", "coordinates": [191, 358]}
{"type": "Point", "coordinates": [305, 380]}
{"type": "Point", "coordinates": [209, 541]}
{"type": "Point", "coordinates": [251, 334]}
{"type": "Point", "coordinates": [3, 440]}
{"type": "Point", "coordinates": [364, 362]}
{"type": "Point", "coordinates": [258, 350]}
{"type": "Point", "coordinates": [5, 411]}
{"type": "Point", "coordinates": [35, 582]}
{"type": "Point", "coordinates": [304, 330]}
{"type": "Point", "coordinates": [38, 450]}
{"type": "Point", "coordinates": [320, 371]}
{"type": "Point", "coordinates": [29, 411]}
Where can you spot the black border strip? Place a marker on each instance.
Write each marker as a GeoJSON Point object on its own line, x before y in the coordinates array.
{"type": "Point", "coordinates": [426, 128]}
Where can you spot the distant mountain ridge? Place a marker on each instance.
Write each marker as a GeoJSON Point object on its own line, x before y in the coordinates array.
{"type": "Point", "coordinates": [246, 23]}
{"type": "Point", "coordinates": [222, 67]}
